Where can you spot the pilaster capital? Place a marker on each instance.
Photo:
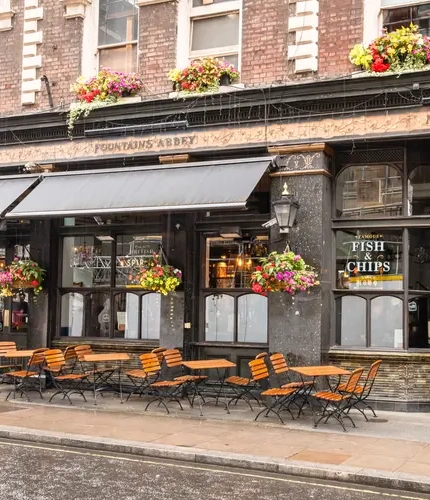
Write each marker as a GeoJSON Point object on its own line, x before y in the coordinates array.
{"type": "Point", "coordinates": [75, 8]}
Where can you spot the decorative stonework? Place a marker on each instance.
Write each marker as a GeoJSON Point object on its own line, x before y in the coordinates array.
{"type": "Point", "coordinates": [304, 25]}
{"type": "Point", "coordinates": [6, 14]}
{"type": "Point", "coordinates": [75, 8]}
{"type": "Point", "coordinates": [31, 61]}
{"type": "Point", "coordinates": [306, 132]}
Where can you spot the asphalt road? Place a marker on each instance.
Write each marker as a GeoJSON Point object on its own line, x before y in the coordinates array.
{"type": "Point", "coordinates": [33, 472]}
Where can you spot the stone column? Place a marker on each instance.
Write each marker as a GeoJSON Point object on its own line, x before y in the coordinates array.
{"type": "Point", "coordinates": [300, 326]}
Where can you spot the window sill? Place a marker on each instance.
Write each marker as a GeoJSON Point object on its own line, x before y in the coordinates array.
{"type": "Point", "coordinates": [222, 90]}
{"type": "Point", "coordinates": [124, 100]}
{"type": "Point", "coordinates": [364, 74]}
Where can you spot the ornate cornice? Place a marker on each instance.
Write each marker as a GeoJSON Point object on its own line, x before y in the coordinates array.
{"type": "Point", "coordinates": [75, 8]}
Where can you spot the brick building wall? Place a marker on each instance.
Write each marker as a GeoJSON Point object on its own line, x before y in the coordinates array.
{"type": "Point", "coordinates": [265, 39]}
{"type": "Point", "coordinates": [157, 45]}
{"type": "Point", "coordinates": [340, 28]}
{"type": "Point", "coordinates": [61, 53]}
{"type": "Point", "coordinates": [10, 62]}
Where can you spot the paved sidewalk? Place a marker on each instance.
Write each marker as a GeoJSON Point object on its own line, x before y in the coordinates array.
{"type": "Point", "coordinates": [394, 446]}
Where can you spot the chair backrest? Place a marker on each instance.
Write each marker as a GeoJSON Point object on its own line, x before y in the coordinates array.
{"type": "Point", "coordinates": [259, 370]}
{"type": "Point", "coordinates": [6, 347]}
{"type": "Point", "coordinates": [279, 363]}
{"type": "Point", "coordinates": [261, 355]}
{"type": "Point", "coordinates": [173, 358]}
{"type": "Point", "coordinates": [70, 356]}
{"type": "Point", "coordinates": [159, 351]}
{"type": "Point", "coordinates": [54, 359]}
{"type": "Point", "coordinates": [353, 380]}
{"type": "Point", "coordinates": [150, 363]}
{"type": "Point", "coordinates": [82, 350]}
{"type": "Point", "coordinates": [371, 376]}
{"type": "Point", "coordinates": [37, 359]}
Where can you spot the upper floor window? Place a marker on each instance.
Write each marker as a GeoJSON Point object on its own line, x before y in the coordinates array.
{"type": "Point", "coordinates": [394, 17]}
{"type": "Point", "coordinates": [118, 34]}
{"type": "Point", "coordinates": [215, 29]}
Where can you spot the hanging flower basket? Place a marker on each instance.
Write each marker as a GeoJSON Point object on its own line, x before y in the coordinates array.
{"type": "Point", "coordinates": [402, 50]}
{"type": "Point", "coordinates": [6, 281]}
{"type": "Point", "coordinates": [159, 278]}
{"type": "Point", "coordinates": [26, 274]}
{"type": "Point", "coordinates": [283, 272]}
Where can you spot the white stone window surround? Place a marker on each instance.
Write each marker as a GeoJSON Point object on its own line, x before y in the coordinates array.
{"type": "Point", "coordinates": [373, 15]}
{"type": "Point", "coordinates": [90, 57]}
{"type": "Point", "coordinates": [187, 14]}
{"type": "Point", "coordinates": [6, 14]}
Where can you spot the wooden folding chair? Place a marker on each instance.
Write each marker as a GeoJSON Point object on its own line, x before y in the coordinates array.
{"type": "Point", "coordinates": [279, 399]}
{"type": "Point", "coordinates": [283, 374]}
{"type": "Point", "coordinates": [243, 386]}
{"type": "Point", "coordinates": [164, 391]}
{"type": "Point", "coordinates": [173, 360]}
{"type": "Point", "coordinates": [5, 363]}
{"type": "Point", "coordinates": [65, 383]}
{"type": "Point", "coordinates": [141, 379]}
{"type": "Point", "coordinates": [362, 392]}
{"type": "Point", "coordinates": [337, 404]}
{"type": "Point", "coordinates": [29, 379]}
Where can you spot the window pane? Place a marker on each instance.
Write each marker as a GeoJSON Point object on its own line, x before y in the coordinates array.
{"type": "Point", "coordinates": [219, 318]}
{"type": "Point", "coordinates": [126, 316]}
{"type": "Point", "coordinates": [369, 260]}
{"type": "Point", "coordinates": [215, 32]}
{"type": "Point", "coordinates": [419, 259]}
{"type": "Point", "coordinates": [419, 322]}
{"type": "Point", "coordinates": [151, 314]}
{"type": "Point", "coordinates": [117, 21]}
{"type": "Point", "coordinates": [369, 191]}
{"type": "Point", "coordinates": [132, 252]}
{"type": "Point", "coordinates": [386, 322]}
{"type": "Point", "coordinates": [119, 58]}
{"type": "Point", "coordinates": [86, 262]}
{"type": "Point", "coordinates": [351, 321]}
{"type": "Point", "coordinates": [419, 191]}
{"type": "Point", "coordinates": [397, 15]}
{"type": "Point", "coordinates": [252, 318]}
{"type": "Point", "coordinates": [230, 262]}
{"type": "Point", "coordinates": [72, 315]}
{"type": "Point", "coordinates": [97, 315]}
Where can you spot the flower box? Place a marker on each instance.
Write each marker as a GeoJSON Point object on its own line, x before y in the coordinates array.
{"type": "Point", "coordinates": [156, 277]}
{"type": "Point", "coordinates": [24, 284]}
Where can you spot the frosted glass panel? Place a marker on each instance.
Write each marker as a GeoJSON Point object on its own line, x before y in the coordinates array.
{"type": "Point", "coordinates": [219, 318]}
{"type": "Point", "coordinates": [151, 310]}
{"type": "Point", "coordinates": [252, 318]}
{"type": "Point", "coordinates": [386, 322]}
{"type": "Point", "coordinates": [72, 315]}
{"type": "Point", "coordinates": [352, 312]}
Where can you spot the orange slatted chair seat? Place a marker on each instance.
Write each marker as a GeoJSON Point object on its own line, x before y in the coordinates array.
{"type": "Point", "coordinates": [275, 391]}
{"type": "Point", "coordinates": [166, 383]}
{"type": "Point", "coordinates": [296, 385]}
{"type": "Point", "coordinates": [137, 373]}
{"type": "Point", "coordinates": [22, 374]}
{"type": "Point", "coordinates": [357, 390]}
{"type": "Point", "coordinates": [238, 380]}
{"type": "Point", "coordinates": [330, 396]}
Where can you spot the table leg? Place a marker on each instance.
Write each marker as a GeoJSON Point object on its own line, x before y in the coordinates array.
{"type": "Point", "coordinates": [120, 383]}
{"type": "Point", "coordinates": [94, 384]}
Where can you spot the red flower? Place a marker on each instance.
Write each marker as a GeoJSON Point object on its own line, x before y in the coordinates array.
{"type": "Point", "coordinates": [258, 268]}
{"type": "Point", "coordinates": [379, 66]}
{"type": "Point", "coordinates": [34, 283]}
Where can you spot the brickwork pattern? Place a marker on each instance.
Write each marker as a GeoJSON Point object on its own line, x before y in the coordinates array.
{"type": "Point", "coordinates": [340, 28]}
{"type": "Point", "coordinates": [264, 41]}
{"type": "Point", "coordinates": [157, 46]}
{"type": "Point", "coordinates": [10, 62]}
{"type": "Point", "coordinates": [61, 53]}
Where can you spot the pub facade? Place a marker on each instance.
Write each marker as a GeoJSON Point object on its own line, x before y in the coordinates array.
{"type": "Point", "coordinates": [199, 190]}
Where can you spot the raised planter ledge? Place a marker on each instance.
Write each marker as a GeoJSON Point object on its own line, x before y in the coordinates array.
{"type": "Point", "coordinates": [370, 354]}
{"type": "Point", "coordinates": [222, 90]}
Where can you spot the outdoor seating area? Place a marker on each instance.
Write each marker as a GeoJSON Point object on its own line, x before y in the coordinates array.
{"type": "Point", "coordinates": [319, 394]}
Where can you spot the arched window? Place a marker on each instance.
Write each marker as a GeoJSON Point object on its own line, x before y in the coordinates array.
{"type": "Point", "coordinates": [369, 191]}
{"type": "Point", "coordinates": [72, 315]}
{"type": "Point", "coordinates": [219, 320]}
{"type": "Point", "coordinates": [351, 321]}
{"type": "Point", "coordinates": [252, 318]}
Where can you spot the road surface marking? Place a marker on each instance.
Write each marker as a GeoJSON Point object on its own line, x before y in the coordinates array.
{"type": "Point", "coordinates": [207, 469]}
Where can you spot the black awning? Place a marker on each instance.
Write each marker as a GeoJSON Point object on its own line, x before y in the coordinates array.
{"type": "Point", "coordinates": [194, 186]}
